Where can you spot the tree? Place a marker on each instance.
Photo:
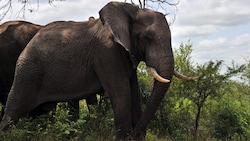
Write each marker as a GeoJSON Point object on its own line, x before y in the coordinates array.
{"type": "Point", "coordinates": [246, 73]}
{"type": "Point", "coordinates": [211, 82]}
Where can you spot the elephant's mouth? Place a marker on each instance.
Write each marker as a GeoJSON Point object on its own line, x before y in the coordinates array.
{"type": "Point", "coordinates": [157, 76]}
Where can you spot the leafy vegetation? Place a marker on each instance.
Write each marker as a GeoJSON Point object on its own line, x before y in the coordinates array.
{"type": "Point", "coordinates": [213, 107]}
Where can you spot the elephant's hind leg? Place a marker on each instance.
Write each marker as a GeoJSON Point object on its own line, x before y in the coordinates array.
{"type": "Point", "coordinates": [23, 96]}
{"type": "Point", "coordinates": [6, 121]}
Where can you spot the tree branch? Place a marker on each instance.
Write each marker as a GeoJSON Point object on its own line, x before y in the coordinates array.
{"type": "Point", "coordinates": [7, 7]}
{"type": "Point", "coordinates": [164, 6]}
{"type": "Point", "coordinates": [25, 5]}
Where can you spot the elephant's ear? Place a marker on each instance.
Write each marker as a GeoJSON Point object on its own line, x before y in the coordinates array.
{"type": "Point", "coordinates": [118, 16]}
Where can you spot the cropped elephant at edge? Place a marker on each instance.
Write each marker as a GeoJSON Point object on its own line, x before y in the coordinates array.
{"type": "Point", "coordinates": [73, 60]}
{"type": "Point", "coordinates": [14, 36]}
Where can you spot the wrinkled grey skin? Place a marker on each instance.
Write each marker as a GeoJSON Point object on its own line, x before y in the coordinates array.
{"type": "Point", "coordinates": [14, 36]}
{"type": "Point", "coordinates": [72, 60]}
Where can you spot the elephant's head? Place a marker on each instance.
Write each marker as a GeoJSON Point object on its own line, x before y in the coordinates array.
{"type": "Point", "coordinates": [145, 34]}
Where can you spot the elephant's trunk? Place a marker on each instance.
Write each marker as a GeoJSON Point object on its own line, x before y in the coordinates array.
{"type": "Point", "coordinates": [165, 70]}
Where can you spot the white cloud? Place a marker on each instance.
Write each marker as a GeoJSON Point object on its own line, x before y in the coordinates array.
{"type": "Point", "coordinates": [218, 30]}
{"type": "Point", "coordinates": [212, 12]}
{"type": "Point", "coordinates": [199, 18]}
{"type": "Point", "coordinates": [77, 10]}
{"type": "Point", "coordinates": [189, 31]}
{"type": "Point", "coordinates": [213, 43]}
{"type": "Point", "coordinates": [222, 48]}
{"type": "Point", "coordinates": [242, 40]}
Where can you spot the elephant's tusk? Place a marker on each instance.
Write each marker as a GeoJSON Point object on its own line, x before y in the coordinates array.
{"type": "Point", "coordinates": [158, 77]}
{"type": "Point", "coordinates": [181, 76]}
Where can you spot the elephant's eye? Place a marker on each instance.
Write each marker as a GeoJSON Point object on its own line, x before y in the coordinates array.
{"type": "Point", "coordinates": [147, 38]}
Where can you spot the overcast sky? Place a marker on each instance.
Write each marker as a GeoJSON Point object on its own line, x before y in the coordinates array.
{"type": "Point", "coordinates": [218, 29]}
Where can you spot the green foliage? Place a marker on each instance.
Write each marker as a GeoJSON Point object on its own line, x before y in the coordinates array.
{"type": "Point", "coordinates": [183, 61]}
{"type": "Point", "coordinates": [93, 125]}
{"type": "Point", "coordinates": [228, 123]}
{"type": "Point", "coordinates": [246, 73]}
{"type": "Point", "coordinates": [145, 80]}
{"type": "Point", "coordinates": [232, 117]}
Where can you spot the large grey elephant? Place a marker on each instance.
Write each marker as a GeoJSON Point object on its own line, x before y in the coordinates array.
{"type": "Point", "coordinates": [73, 60]}
{"type": "Point", "coordinates": [14, 36]}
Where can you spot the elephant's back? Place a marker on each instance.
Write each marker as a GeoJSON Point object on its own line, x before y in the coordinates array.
{"type": "Point", "coordinates": [4, 27]}
{"type": "Point", "coordinates": [65, 36]}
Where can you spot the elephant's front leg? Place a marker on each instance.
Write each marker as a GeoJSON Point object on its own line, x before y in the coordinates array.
{"type": "Point", "coordinates": [120, 98]}
{"type": "Point", "coordinates": [122, 114]}
{"type": "Point", "coordinates": [117, 87]}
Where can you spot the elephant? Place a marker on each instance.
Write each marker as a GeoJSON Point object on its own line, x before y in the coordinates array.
{"type": "Point", "coordinates": [14, 36]}
{"type": "Point", "coordinates": [70, 60]}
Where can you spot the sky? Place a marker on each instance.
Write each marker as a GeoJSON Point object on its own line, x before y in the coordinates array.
{"type": "Point", "coordinates": [217, 29]}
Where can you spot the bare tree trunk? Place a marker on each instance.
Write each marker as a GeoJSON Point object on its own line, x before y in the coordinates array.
{"type": "Point", "coordinates": [199, 104]}
{"type": "Point", "coordinates": [197, 120]}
